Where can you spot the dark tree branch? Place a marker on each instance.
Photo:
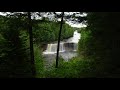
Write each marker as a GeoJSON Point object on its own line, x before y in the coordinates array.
{"type": "Point", "coordinates": [57, 56]}
{"type": "Point", "coordinates": [31, 44]}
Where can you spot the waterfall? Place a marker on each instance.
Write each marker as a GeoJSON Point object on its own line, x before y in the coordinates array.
{"type": "Point", "coordinates": [70, 45]}
{"type": "Point", "coordinates": [75, 46]}
{"type": "Point", "coordinates": [52, 48]}
{"type": "Point", "coordinates": [49, 47]}
{"type": "Point", "coordinates": [67, 48]}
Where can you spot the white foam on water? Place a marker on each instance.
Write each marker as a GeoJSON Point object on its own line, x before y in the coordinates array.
{"type": "Point", "coordinates": [52, 48]}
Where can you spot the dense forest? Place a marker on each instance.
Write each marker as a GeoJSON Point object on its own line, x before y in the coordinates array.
{"type": "Point", "coordinates": [47, 31]}
{"type": "Point", "coordinates": [14, 43]}
{"type": "Point", "coordinates": [98, 49]}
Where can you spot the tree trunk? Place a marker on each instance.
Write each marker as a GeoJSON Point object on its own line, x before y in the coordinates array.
{"type": "Point", "coordinates": [31, 45]}
{"type": "Point", "coordinates": [57, 56]}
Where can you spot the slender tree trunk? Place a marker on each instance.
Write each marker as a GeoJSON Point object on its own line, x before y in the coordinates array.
{"type": "Point", "coordinates": [31, 45]}
{"type": "Point", "coordinates": [57, 56]}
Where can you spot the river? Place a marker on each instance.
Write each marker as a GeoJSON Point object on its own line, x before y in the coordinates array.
{"type": "Point", "coordinates": [68, 49]}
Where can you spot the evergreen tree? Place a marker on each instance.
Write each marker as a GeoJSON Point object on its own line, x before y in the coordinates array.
{"type": "Point", "coordinates": [102, 42]}
{"type": "Point", "coordinates": [14, 49]}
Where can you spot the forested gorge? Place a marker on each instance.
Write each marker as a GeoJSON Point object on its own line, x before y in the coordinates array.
{"type": "Point", "coordinates": [14, 43]}
{"type": "Point", "coordinates": [98, 48]}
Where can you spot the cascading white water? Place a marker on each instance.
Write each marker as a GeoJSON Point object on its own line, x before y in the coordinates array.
{"type": "Point", "coordinates": [52, 48]}
{"type": "Point", "coordinates": [75, 46]}
{"type": "Point", "coordinates": [70, 45]}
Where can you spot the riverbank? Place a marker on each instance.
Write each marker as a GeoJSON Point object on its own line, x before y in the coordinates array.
{"type": "Point", "coordinates": [50, 59]}
{"type": "Point", "coordinates": [77, 67]}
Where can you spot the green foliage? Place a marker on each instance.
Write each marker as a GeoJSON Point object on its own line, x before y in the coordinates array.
{"type": "Point", "coordinates": [100, 41]}
{"type": "Point", "coordinates": [14, 49]}
{"type": "Point", "coordinates": [75, 68]}
{"type": "Point", "coordinates": [14, 53]}
{"type": "Point", "coordinates": [67, 31]}
{"type": "Point", "coordinates": [84, 42]}
{"type": "Point", "coordinates": [39, 61]}
{"type": "Point", "coordinates": [47, 31]}
{"type": "Point", "coordinates": [43, 33]}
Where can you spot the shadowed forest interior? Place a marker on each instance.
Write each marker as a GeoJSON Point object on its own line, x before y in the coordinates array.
{"type": "Point", "coordinates": [59, 44]}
